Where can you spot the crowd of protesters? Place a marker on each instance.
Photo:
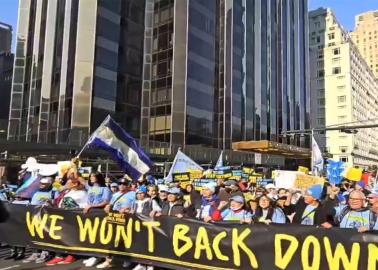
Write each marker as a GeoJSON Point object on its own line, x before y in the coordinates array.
{"type": "Point", "coordinates": [348, 205]}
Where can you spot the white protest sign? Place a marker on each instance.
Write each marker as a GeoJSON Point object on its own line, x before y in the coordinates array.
{"type": "Point", "coordinates": [285, 179]}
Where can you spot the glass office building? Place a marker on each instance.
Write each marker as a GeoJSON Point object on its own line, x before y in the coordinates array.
{"type": "Point", "coordinates": [222, 71]}
{"type": "Point", "coordinates": [72, 68]}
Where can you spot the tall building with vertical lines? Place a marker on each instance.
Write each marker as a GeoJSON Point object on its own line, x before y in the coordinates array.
{"type": "Point", "coordinates": [222, 71]}
{"type": "Point", "coordinates": [76, 62]}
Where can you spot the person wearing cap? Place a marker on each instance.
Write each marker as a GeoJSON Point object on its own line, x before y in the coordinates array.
{"type": "Point", "coordinates": [209, 202]}
{"type": "Point", "coordinates": [44, 196]}
{"type": "Point", "coordinates": [163, 195]}
{"type": "Point", "coordinates": [123, 200]}
{"type": "Point", "coordinates": [355, 215]}
{"type": "Point", "coordinates": [231, 188]}
{"type": "Point", "coordinates": [266, 211]}
{"type": "Point", "coordinates": [310, 210]}
{"type": "Point", "coordinates": [372, 199]}
{"type": "Point", "coordinates": [74, 197]}
{"type": "Point", "coordinates": [114, 188]}
{"type": "Point", "coordinates": [271, 191]}
{"type": "Point", "coordinates": [174, 206]}
{"type": "Point", "coordinates": [235, 212]}
{"type": "Point", "coordinates": [145, 205]}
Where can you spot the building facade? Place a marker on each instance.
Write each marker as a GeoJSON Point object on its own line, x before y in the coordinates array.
{"type": "Point", "coordinates": [365, 36]}
{"type": "Point", "coordinates": [6, 74]}
{"type": "Point", "coordinates": [221, 71]}
{"type": "Point", "coordinates": [76, 62]}
{"type": "Point", "coordinates": [343, 91]}
{"type": "Point", "coordinates": [5, 37]}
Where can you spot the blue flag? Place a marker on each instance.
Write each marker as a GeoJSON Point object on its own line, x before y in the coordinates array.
{"type": "Point", "coordinates": [123, 148]}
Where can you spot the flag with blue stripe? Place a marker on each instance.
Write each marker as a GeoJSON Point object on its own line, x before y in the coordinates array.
{"type": "Point", "coordinates": [123, 148]}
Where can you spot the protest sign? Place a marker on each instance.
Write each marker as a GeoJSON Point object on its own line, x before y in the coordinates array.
{"type": "Point", "coordinates": [304, 181]}
{"type": "Point", "coordinates": [182, 178]}
{"type": "Point", "coordinates": [285, 179]}
{"type": "Point", "coordinates": [354, 174]}
{"type": "Point", "coordinates": [195, 174]}
{"type": "Point", "coordinates": [199, 183]}
{"type": "Point", "coordinates": [181, 244]}
{"type": "Point", "coordinates": [303, 169]}
{"type": "Point", "coordinates": [263, 182]}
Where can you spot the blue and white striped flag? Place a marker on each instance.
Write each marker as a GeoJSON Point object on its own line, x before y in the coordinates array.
{"type": "Point", "coordinates": [124, 149]}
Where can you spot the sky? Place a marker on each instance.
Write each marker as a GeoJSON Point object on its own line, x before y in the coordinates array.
{"type": "Point", "coordinates": [345, 10]}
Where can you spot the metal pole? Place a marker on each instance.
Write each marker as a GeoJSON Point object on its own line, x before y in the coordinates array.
{"type": "Point", "coordinates": [107, 168]}
{"type": "Point", "coordinates": [308, 131]}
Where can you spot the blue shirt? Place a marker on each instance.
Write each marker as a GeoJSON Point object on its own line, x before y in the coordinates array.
{"type": "Point", "coordinates": [41, 197]}
{"type": "Point", "coordinates": [353, 219]}
{"type": "Point", "coordinates": [97, 195]}
{"type": "Point", "coordinates": [308, 215]}
{"type": "Point", "coordinates": [120, 200]}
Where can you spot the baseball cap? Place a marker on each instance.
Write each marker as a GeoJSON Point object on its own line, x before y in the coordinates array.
{"type": "Point", "coordinates": [113, 185]}
{"type": "Point", "coordinates": [238, 199]}
{"type": "Point", "coordinates": [315, 191]}
{"type": "Point", "coordinates": [141, 189]}
{"type": "Point", "coordinates": [46, 180]}
{"type": "Point", "coordinates": [373, 195]}
{"type": "Point", "coordinates": [174, 190]}
{"type": "Point", "coordinates": [163, 188]}
{"type": "Point", "coordinates": [230, 183]}
{"type": "Point", "coordinates": [270, 186]}
{"type": "Point", "coordinates": [124, 181]}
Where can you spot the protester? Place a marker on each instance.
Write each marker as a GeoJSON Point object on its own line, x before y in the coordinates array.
{"type": "Point", "coordinates": [99, 196]}
{"type": "Point", "coordinates": [114, 188]}
{"type": "Point", "coordinates": [309, 210]}
{"type": "Point", "coordinates": [209, 202]}
{"type": "Point", "coordinates": [271, 191]}
{"type": "Point", "coordinates": [74, 197]}
{"type": "Point", "coordinates": [356, 215]}
{"type": "Point", "coordinates": [175, 206]}
{"type": "Point", "coordinates": [121, 202]}
{"type": "Point", "coordinates": [266, 211]}
{"type": "Point", "coordinates": [163, 195]}
{"type": "Point", "coordinates": [252, 204]}
{"type": "Point", "coordinates": [235, 212]}
{"type": "Point", "coordinates": [44, 196]}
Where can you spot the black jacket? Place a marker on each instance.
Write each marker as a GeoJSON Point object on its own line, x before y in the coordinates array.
{"type": "Point", "coordinates": [177, 208]}
{"type": "Point", "coordinates": [325, 212]}
{"type": "Point", "coordinates": [3, 212]}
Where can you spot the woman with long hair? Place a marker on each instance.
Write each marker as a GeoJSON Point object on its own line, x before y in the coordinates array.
{"type": "Point", "coordinates": [267, 212]}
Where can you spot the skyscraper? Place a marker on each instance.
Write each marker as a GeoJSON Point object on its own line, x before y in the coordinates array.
{"type": "Point", "coordinates": [73, 67]}
{"type": "Point", "coordinates": [5, 37]}
{"type": "Point", "coordinates": [221, 71]}
{"type": "Point", "coordinates": [6, 72]}
{"type": "Point", "coordinates": [365, 36]}
{"type": "Point", "coordinates": [343, 90]}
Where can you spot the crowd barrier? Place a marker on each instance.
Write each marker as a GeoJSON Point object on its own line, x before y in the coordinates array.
{"type": "Point", "coordinates": [189, 244]}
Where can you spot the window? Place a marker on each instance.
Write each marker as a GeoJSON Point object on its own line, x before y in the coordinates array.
{"type": "Point", "coordinates": [336, 60]}
{"type": "Point", "coordinates": [321, 101]}
{"type": "Point", "coordinates": [317, 24]}
{"type": "Point", "coordinates": [344, 159]}
{"type": "Point", "coordinates": [342, 118]}
{"type": "Point", "coordinates": [320, 73]}
{"type": "Point", "coordinates": [343, 149]}
{"type": "Point", "coordinates": [341, 99]}
{"type": "Point", "coordinates": [336, 70]}
{"type": "Point", "coordinates": [321, 121]}
{"type": "Point", "coordinates": [340, 87]}
{"type": "Point", "coordinates": [341, 107]}
{"type": "Point", "coordinates": [336, 51]}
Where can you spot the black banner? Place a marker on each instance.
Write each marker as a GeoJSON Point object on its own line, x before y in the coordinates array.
{"type": "Point", "coordinates": [190, 244]}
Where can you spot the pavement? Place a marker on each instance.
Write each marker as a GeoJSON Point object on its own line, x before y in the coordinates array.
{"type": "Point", "coordinates": [18, 265]}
